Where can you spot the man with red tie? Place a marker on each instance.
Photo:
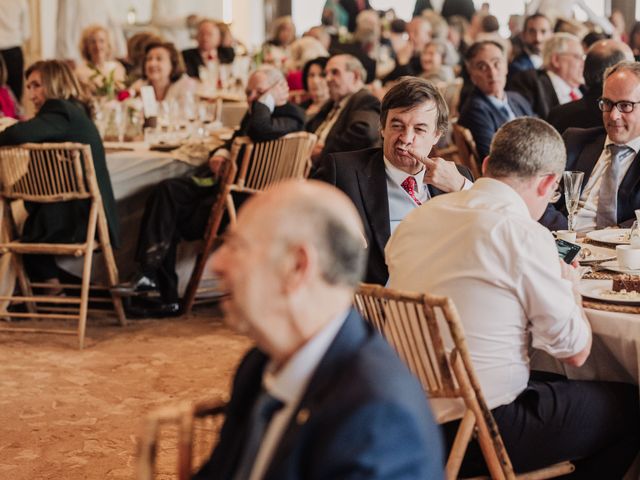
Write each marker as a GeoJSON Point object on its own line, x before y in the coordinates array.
{"type": "Point", "coordinates": [387, 183]}
{"type": "Point", "coordinates": [208, 49]}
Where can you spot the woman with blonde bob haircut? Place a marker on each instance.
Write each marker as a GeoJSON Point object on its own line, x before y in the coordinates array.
{"type": "Point", "coordinates": [99, 72]}
{"type": "Point", "coordinates": [62, 115]}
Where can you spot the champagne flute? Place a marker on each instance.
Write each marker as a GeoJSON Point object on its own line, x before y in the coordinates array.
{"type": "Point", "coordinates": [572, 188]}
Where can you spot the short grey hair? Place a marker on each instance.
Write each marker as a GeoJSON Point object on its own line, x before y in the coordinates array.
{"type": "Point", "coordinates": [558, 43]}
{"type": "Point", "coordinates": [352, 64]}
{"type": "Point", "coordinates": [526, 147]}
{"type": "Point", "coordinates": [342, 254]}
{"type": "Point", "coordinates": [627, 66]}
{"type": "Point", "coordinates": [273, 74]}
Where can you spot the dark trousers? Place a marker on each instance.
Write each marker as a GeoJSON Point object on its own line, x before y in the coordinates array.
{"type": "Point", "coordinates": [596, 425]}
{"type": "Point", "coordinates": [14, 60]}
{"type": "Point", "coordinates": [176, 209]}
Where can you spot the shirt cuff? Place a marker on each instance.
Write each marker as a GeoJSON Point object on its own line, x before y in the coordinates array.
{"type": "Point", "coordinates": [467, 184]}
{"type": "Point", "coordinates": [268, 101]}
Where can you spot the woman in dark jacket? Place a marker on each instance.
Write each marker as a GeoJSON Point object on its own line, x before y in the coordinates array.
{"type": "Point", "coordinates": [62, 116]}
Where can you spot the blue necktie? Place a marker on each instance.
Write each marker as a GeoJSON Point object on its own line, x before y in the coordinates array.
{"type": "Point", "coordinates": [261, 414]}
{"type": "Point", "coordinates": [607, 211]}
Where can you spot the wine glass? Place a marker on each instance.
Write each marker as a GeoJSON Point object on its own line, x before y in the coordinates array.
{"type": "Point", "coordinates": [572, 188]}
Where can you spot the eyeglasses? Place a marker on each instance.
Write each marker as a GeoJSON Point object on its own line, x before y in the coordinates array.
{"type": "Point", "coordinates": [623, 106]}
{"type": "Point", "coordinates": [577, 56]}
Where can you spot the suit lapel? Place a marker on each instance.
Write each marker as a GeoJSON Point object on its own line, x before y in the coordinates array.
{"type": "Point", "coordinates": [628, 191]}
{"type": "Point", "coordinates": [348, 340]}
{"type": "Point", "coordinates": [372, 183]}
{"type": "Point", "coordinates": [588, 157]}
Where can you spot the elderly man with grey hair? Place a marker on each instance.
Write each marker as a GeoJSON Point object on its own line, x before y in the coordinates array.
{"type": "Point", "coordinates": [322, 395]}
{"type": "Point", "coordinates": [484, 248]}
{"type": "Point", "coordinates": [560, 78]}
{"type": "Point", "coordinates": [178, 208]}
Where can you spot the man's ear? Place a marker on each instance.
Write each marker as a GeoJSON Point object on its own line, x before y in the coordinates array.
{"type": "Point", "coordinates": [297, 266]}
{"type": "Point", "coordinates": [545, 183]}
{"type": "Point", "coordinates": [554, 60]}
{"type": "Point", "coordinates": [485, 162]}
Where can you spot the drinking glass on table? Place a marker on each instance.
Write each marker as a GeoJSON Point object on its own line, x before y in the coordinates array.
{"type": "Point", "coordinates": [572, 188]}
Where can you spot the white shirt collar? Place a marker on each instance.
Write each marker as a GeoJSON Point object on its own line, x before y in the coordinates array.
{"type": "Point", "coordinates": [398, 176]}
{"type": "Point", "coordinates": [634, 144]}
{"type": "Point", "coordinates": [505, 192]}
{"type": "Point", "coordinates": [289, 383]}
{"type": "Point", "coordinates": [562, 88]}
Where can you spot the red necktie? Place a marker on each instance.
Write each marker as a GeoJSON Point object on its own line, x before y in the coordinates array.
{"type": "Point", "coordinates": [361, 5]}
{"type": "Point", "coordinates": [410, 186]}
{"type": "Point", "coordinates": [574, 96]}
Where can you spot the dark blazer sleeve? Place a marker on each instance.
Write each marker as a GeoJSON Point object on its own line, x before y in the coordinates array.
{"type": "Point", "coordinates": [262, 125]}
{"type": "Point", "coordinates": [51, 124]}
{"type": "Point", "coordinates": [192, 61]}
{"type": "Point", "coordinates": [359, 130]}
{"type": "Point", "coordinates": [478, 118]}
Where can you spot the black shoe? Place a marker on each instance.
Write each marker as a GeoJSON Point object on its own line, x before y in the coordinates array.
{"type": "Point", "coordinates": [152, 308]}
{"type": "Point", "coordinates": [139, 283]}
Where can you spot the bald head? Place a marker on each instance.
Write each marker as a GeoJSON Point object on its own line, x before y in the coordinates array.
{"type": "Point", "coordinates": [602, 55]}
{"type": "Point", "coordinates": [314, 213]}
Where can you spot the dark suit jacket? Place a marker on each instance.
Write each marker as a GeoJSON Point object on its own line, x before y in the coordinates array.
{"type": "Point", "coordinates": [362, 176]}
{"type": "Point", "coordinates": [351, 7]}
{"type": "Point", "coordinates": [193, 59]}
{"type": "Point", "coordinates": [584, 147]}
{"type": "Point", "coordinates": [536, 87]}
{"type": "Point", "coordinates": [64, 121]}
{"type": "Point", "coordinates": [356, 127]}
{"type": "Point", "coordinates": [367, 417]}
{"type": "Point", "coordinates": [583, 113]}
{"type": "Point", "coordinates": [520, 63]}
{"type": "Point", "coordinates": [483, 119]}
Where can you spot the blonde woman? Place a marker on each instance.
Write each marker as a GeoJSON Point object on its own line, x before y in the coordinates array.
{"type": "Point", "coordinates": [99, 72]}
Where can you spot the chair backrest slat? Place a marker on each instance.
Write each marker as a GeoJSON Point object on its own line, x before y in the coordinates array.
{"type": "Point", "coordinates": [47, 172]}
{"type": "Point", "coordinates": [267, 163]}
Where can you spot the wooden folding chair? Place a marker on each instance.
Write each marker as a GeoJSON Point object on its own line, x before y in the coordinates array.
{"type": "Point", "coordinates": [466, 149]}
{"type": "Point", "coordinates": [188, 429]}
{"type": "Point", "coordinates": [409, 322]}
{"type": "Point", "coordinates": [261, 165]}
{"type": "Point", "coordinates": [48, 173]}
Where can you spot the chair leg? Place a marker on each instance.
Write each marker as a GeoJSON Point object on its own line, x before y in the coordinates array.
{"type": "Point", "coordinates": [459, 447]}
{"type": "Point", "coordinates": [111, 266]}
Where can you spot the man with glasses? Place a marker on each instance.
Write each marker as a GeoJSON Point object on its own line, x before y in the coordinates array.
{"type": "Point", "coordinates": [484, 248]}
{"type": "Point", "coordinates": [608, 156]}
{"type": "Point", "coordinates": [559, 81]}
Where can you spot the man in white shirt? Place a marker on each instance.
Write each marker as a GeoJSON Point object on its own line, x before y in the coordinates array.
{"type": "Point", "coordinates": [485, 249]}
{"type": "Point", "coordinates": [387, 183]}
{"type": "Point", "coordinates": [323, 395]}
{"type": "Point", "coordinates": [608, 157]}
{"type": "Point", "coordinates": [560, 79]}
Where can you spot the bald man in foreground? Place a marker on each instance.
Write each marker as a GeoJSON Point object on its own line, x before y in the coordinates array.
{"type": "Point", "coordinates": [322, 396]}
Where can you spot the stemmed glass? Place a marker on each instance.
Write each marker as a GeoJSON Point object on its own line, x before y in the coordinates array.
{"type": "Point", "coordinates": [572, 188]}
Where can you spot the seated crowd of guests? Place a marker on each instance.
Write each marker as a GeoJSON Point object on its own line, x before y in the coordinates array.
{"type": "Point", "coordinates": [376, 105]}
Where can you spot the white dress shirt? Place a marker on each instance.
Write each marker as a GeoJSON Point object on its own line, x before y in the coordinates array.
{"type": "Point", "coordinates": [501, 268]}
{"type": "Point", "coordinates": [563, 89]}
{"type": "Point", "coordinates": [400, 202]}
{"type": "Point", "coordinates": [588, 206]}
{"type": "Point", "coordinates": [15, 28]}
{"type": "Point", "coordinates": [288, 385]}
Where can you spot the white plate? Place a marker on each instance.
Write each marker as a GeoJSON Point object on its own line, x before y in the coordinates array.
{"type": "Point", "coordinates": [614, 267]}
{"type": "Point", "coordinates": [598, 254]}
{"type": "Point", "coordinates": [614, 236]}
{"type": "Point", "coordinates": [598, 289]}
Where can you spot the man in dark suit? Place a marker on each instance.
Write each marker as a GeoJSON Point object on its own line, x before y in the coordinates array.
{"type": "Point", "coordinates": [385, 184]}
{"type": "Point", "coordinates": [349, 121]}
{"type": "Point", "coordinates": [489, 106]}
{"type": "Point", "coordinates": [537, 30]}
{"type": "Point", "coordinates": [208, 49]}
{"type": "Point", "coordinates": [584, 113]}
{"type": "Point", "coordinates": [322, 396]}
{"type": "Point", "coordinates": [178, 208]}
{"type": "Point", "coordinates": [559, 81]}
{"type": "Point", "coordinates": [609, 157]}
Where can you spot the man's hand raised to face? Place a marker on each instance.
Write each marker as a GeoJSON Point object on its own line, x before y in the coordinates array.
{"type": "Point", "coordinates": [440, 173]}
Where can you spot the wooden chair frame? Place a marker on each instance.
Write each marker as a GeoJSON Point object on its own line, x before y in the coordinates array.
{"type": "Point", "coordinates": [261, 165]}
{"type": "Point", "coordinates": [48, 173]}
{"type": "Point", "coordinates": [185, 417]}
{"type": "Point", "coordinates": [466, 148]}
{"type": "Point", "coordinates": [409, 322]}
